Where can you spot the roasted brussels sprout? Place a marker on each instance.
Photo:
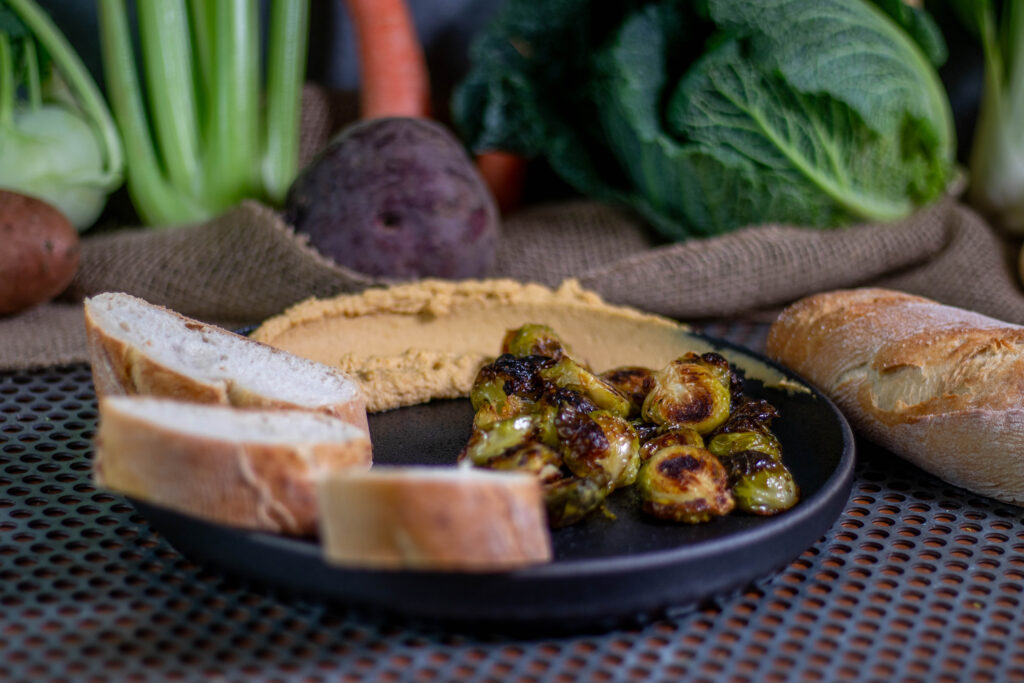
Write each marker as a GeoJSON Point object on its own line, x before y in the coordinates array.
{"type": "Point", "coordinates": [535, 458]}
{"type": "Point", "coordinates": [506, 387]}
{"type": "Point", "coordinates": [686, 435]}
{"type": "Point", "coordinates": [719, 365]}
{"type": "Point", "coordinates": [489, 443]}
{"type": "Point", "coordinates": [749, 415]}
{"type": "Point", "coordinates": [599, 446]}
{"type": "Point", "coordinates": [751, 454]}
{"type": "Point", "coordinates": [760, 484]}
{"type": "Point", "coordinates": [684, 484]}
{"type": "Point", "coordinates": [645, 431]}
{"type": "Point", "coordinates": [568, 374]}
{"type": "Point", "coordinates": [571, 499]}
{"type": "Point", "coordinates": [533, 339]}
{"type": "Point", "coordinates": [634, 381]}
{"type": "Point", "coordinates": [689, 391]}
{"type": "Point", "coordinates": [670, 435]}
{"type": "Point", "coordinates": [731, 443]}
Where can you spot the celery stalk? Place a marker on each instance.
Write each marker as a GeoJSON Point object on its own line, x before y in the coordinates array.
{"type": "Point", "coordinates": [167, 59]}
{"type": "Point", "coordinates": [200, 14]}
{"type": "Point", "coordinates": [286, 66]}
{"type": "Point", "coordinates": [198, 139]}
{"type": "Point", "coordinates": [232, 125]}
{"type": "Point", "coordinates": [156, 200]}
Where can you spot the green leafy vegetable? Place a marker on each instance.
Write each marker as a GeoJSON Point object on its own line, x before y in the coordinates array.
{"type": "Point", "coordinates": [198, 137]}
{"type": "Point", "coordinates": [58, 141]}
{"type": "Point", "coordinates": [707, 116]}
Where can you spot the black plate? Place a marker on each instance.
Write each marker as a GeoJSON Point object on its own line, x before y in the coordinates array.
{"type": "Point", "coordinates": [603, 568]}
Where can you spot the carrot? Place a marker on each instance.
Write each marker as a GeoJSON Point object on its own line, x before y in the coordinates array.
{"type": "Point", "coordinates": [504, 174]}
{"type": "Point", "coordinates": [394, 82]}
{"type": "Point", "coordinates": [393, 70]}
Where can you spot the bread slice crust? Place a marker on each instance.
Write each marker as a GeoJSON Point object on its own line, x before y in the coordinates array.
{"type": "Point", "coordinates": [231, 478]}
{"type": "Point", "coordinates": [940, 386]}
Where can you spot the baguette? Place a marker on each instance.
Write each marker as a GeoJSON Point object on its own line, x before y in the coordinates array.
{"type": "Point", "coordinates": [433, 518]}
{"type": "Point", "coordinates": [139, 348]}
{"type": "Point", "coordinates": [244, 467]}
{"type": "Point", "coordinates": [940, 386]}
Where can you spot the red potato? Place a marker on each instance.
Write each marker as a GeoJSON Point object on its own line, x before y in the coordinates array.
{"type": "Point", "coordinates": [39, 252]}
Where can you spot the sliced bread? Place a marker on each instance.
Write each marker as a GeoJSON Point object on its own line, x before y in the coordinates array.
{"type": "Point", "coordinates": [433, 518]}
{"type": "Point", "coordinates": [251, 468]}
{"type": "Point", "coordinates": [139, 348]}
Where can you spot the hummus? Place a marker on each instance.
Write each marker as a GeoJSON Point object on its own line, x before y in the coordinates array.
{"type": "Point", "coordinates": [412, 343]}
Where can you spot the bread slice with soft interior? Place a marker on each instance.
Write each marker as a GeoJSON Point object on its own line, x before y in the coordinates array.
{"type": "Point", "coordinates": [433, 518]}
{"type": "Point", "coordinates": [137, 347]}
{"type": "Point", "coordinates": [253, 468]}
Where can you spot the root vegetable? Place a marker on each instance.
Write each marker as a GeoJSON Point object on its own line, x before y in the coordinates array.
{"type": "Point", "coordinates": [39, 252]}
{"type": "Point", "coordinates": [397, 197]}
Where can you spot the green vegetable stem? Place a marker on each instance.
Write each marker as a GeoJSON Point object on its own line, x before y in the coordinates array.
{"type": "Point", "coordinates": [997, 151]}
{"type": "Point", "coordinates": [58, 141]}
{"type": "Point", "coordinates": [198, 137]}
{"type": "Point", "coordinates": [705, 116]}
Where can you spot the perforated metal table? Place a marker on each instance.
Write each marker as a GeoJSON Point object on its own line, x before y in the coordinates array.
{"type": "Point", "coordinates": [917, 581]}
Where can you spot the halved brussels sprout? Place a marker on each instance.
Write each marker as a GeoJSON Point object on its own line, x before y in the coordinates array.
{"type": "Point", "coordinates": [535, 458]}
{"type": "Point", "coordinates": [760, 484]}
{"type": "Point", "coordinates": [689, 392]}
{"type": "Point", "coordinates": [503, 435]}
{"type": "Point", "coordinates": [684, 484]}
{"type": "Point", "coordinates": [599, 446]}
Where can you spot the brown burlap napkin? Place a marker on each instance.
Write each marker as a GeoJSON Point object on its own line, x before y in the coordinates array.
{"type": "Point", "coordinates": [248, 265]}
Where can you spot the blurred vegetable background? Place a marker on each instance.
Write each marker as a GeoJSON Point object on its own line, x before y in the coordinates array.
{"type": "Point", "coordinates": [709, 116]}
{"type": "Point", "coordinates": [703, 116]}
{"type": "Point", "coordinates": [58, 141]}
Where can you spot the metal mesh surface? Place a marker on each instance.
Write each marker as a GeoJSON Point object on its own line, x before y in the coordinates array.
{"type": "Point", "coordinates": [917, 581]}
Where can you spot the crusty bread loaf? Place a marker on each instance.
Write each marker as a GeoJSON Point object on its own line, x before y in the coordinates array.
{"type": "Point", "coordinates": [940, 386]}
{"type": "Point", "coordinates": [138, 348]}
{"type": "Point", "coordinates": [437, 518]}
{"type": "Point", "coordinates": [251, 468]}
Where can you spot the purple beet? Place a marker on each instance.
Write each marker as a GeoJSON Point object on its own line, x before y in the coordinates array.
{"type": "Point", "coordinates": [397, 197]}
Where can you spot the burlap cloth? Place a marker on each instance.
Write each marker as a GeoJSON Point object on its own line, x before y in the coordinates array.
{"type": "Point", "coordinates": [248, 265]}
